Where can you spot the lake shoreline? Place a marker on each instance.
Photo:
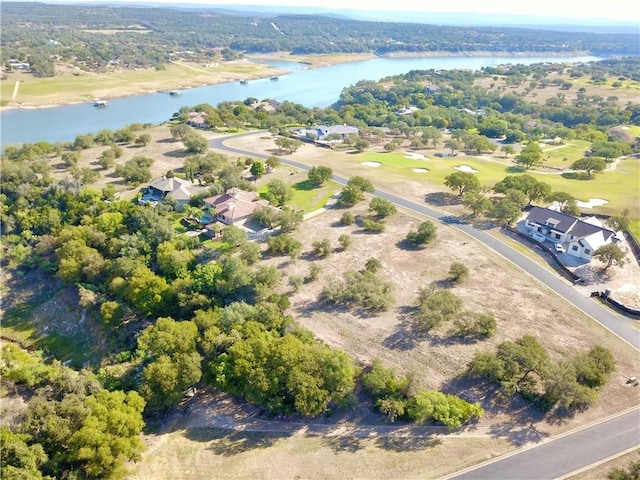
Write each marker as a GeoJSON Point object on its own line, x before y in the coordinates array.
{"type": "Point", "coordinates": [311, 62]}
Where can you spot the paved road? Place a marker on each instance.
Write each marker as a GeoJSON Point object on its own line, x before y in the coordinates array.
{"type": "Point", "coordinates": [620, 325]}
{"type": "Point", "coordinates": [563, 455]}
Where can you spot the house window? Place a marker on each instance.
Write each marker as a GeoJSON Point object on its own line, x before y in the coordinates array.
{"type": "Point", "coordinates": [587, 251]}
{"type": "Point", "coordinates": [574, 248]}
{"type": "Point", "coordinates": [557, 235]}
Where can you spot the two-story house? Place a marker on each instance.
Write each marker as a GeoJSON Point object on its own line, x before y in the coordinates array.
{"type": "Point", "coordinates": [578, 237]}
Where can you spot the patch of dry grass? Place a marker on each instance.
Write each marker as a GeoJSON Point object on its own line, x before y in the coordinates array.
{"type": "Point", "coordinates": [221, 454]}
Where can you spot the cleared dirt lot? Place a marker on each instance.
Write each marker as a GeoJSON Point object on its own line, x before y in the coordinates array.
{"type": "Point", "coordinates": [195, 445]}
{"type": "Point", "coordinates": [518, 302]}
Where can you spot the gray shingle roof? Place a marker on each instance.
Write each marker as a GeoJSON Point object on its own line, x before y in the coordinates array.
{"type": "Point", "coordinates": [564, 223]}
{"type": "Point", "coordinates": [557, 220]}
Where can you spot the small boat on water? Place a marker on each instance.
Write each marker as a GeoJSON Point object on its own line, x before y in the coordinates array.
{"type": "Point", "coordinates": [175, 93]}
{"type": "Point", "coordinates": [243, 82]}
{"type": "Point", "coordinates": [275, 78]}
{"type": "Point", "coordinates": [100, 103]}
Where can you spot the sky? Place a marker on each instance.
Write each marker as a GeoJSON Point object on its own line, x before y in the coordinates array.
{"type": "Point", "coordinates": [620, 10]}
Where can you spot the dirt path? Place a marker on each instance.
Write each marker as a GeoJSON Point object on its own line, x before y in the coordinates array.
{"type": "Point", "coordinates": [220, 410]}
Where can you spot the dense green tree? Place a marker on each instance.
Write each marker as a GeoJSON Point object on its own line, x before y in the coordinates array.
{"type": "Point", "coordinates": [19, 459]}
{"type": "Point", "coordinates": [258, 169]}
{"type": "Point", "coordinates": [278, 192]}
{"type": "Point", "coordinates": [425, 234]}
{"type": "Point", "coordinates": [319, 175]}
{"type": "Point", "coordinates": [110, 434]}
{"type": "Point", "coordinates": [611, 254]}
{"type": "Point", "coordinates": [364, 290]}
{"type": "Point", "coordinates": [435, 306]}
{"type": "Point", "coordinates": [146, 291]}
{"type": "Point", "coordinates": [361, 184]}
{"type": "Point", "coordinates": [566, 202]}
{"type": "Point", "coordinates": [530, 155]}
{"type": "Point", "coordinates": [381, 381]}
{"type": "Point", "coordinates": [447, 409]}
{"type": "Point", "coordinates": [508, 150]}
{"type": "Point", "coordinates": [136, 171]}
{"type": "Point", "coordinates": [382, 207]}
{"type": "Point", "coordinates": [453, 144]}
{"type": "Point", "coordinates": [477, 203]}
{"type": "Point", "coordinates": [174, 262]}
{"type": "Point", "coordinates": [589, 165]}
{"type": "Point", "coordinates": [234, 236]}
{"type": "Point", "coordinates": [107, 159]}
{"type": "Point", "coordinates": [345, 241]}
{"type": "Point", "coordinates": [284, 373]}
{"type": "Point", "coordinates": [518, 366]}
{"type": "Point", "coordinates": [351, 195]}
{"type": "Point", "coordinates": [462, 182]}
{"type": "Point", "coordinates": [534, 189]}
{"type": "Point", "coordinates": [283, 244]}
{"type": "Point", "coordinates": [195, 143]}
{"type": "Point", "coordinates": [165, 380]}
{"type": "Point", "coordinates": [289, 145]}
{"type": "Point", "coordinates": [289, 220]}
{"type": "Point", "coordinates": [266, 217]}
{"type": "Point", "coordinates": [619, 222]}
{"type": "Point", "coordinates": [180, 132]}
{"type": "Point", "coordinates": [250, 252]}
{"type": "Point", "coordinates": [594, 367]}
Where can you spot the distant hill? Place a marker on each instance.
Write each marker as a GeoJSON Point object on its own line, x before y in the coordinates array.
{"type": "Point", "coordinates": [76, 32]}
{"type": "Point", "coordinates": [592, 25]}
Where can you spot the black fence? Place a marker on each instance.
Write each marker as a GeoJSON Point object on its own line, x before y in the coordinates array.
{"type": "Point", "coordinates": [631, 240]}
{"type": "Point", "coordinates": [564, 271]}
{"type": "Point", "coordinates": [620, 307]}
{"type": "Point", "coordinates": [634, 245]}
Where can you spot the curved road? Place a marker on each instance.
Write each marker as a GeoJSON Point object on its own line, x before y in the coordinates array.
{"type": "Point", "coordinates": [566, 453]}
{"type": "Point", "coordinates": [622, 326]}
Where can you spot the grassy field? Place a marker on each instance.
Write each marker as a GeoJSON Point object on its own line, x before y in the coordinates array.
{"type": "Point", "coordinates": [619, 186]}
{"type": "Point", "coordinates": [79, 86]}
{"type": "Point", "coordinates": [221, 454]}
{"type": "Point", "coordinates": [306, 197]}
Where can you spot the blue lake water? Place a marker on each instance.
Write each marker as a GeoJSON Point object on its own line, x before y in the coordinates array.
{"type": "Point", "coordinates": [319, 87]}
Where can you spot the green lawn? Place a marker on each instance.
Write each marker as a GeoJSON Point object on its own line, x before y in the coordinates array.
{"type": "Point", "coordinates": [619, 186]}
{"type": "Point", "coordinates": [563, 156]}
{"type": "Point", "coordinates": [635, 228]}
{"type": "Point", "coordinates": [308, 198]}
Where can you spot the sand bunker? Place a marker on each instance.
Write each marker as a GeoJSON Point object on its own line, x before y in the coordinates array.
{"type": "Point", "coordinates": [466, 168]}
{"type": "Point", "coordinates": [593, 202]}
{"type": "Point", "coordinates": [371, 164]}
{"type": "Point", "coordinates": [420, 170]}
{"type": "Point", "coordinates": [414, 156]}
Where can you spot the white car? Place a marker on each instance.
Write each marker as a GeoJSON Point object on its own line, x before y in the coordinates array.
{"type": "Point", "coordinates": [559, 248]}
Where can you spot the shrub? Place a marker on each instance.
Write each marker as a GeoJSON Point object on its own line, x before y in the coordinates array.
{"type": "Point", "coordinates": [372, 226]}
{"type": "Point", "coordinates": [348, 218]}
{"type": "Point", "coordinates": [458, 273]}
{"type": "Point", "coordinates": [345, 241]}
{"type": "Point", "coordinates": [425, 234]}
{"type": "Point", "coordinates": [322, 248]}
